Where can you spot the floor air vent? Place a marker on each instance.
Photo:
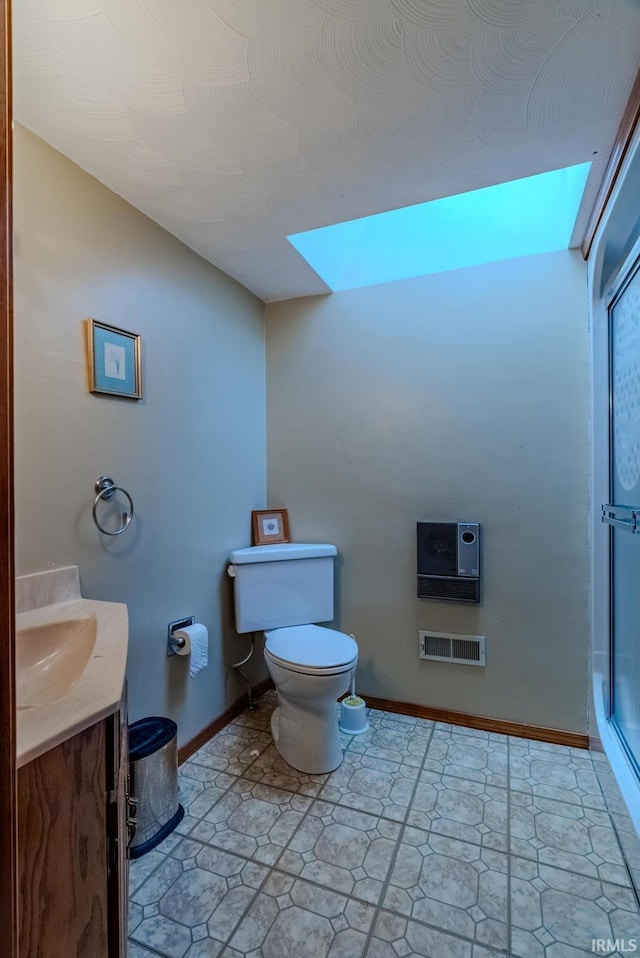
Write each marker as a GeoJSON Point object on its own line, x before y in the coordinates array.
{"type": "Point", "coordinates": [448, 647]}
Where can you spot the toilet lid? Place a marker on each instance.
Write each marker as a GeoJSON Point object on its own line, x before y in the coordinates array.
{"type": "Point", "coordinates": [311, 646]}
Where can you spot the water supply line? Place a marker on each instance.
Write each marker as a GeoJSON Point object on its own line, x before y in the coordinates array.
{"type": "Point", "coordinates": [238, 667]}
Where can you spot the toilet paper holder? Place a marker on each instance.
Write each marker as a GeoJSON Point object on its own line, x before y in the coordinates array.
{"type": "Point", "coordinates": [175, 642]}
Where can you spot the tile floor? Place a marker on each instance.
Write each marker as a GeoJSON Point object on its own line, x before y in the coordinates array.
{"type": "Point", "coordinates": [430, 840]}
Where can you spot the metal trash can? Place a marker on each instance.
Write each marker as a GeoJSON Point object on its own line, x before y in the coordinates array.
{"type": "Point", "coordinates": [153, 782]}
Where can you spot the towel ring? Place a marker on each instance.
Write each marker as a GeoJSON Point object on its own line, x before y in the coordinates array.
{"type": "Point", "coordinates": [106, 488]}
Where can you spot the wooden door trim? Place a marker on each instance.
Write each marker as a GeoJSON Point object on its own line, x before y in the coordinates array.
{"type": "Point", "coordinates": [621, 145]}
{"type": "Point", "coordinates": [8, 785]}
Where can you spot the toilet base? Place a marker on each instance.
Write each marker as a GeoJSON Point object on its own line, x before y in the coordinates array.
{"type": "Point", "coordinates": [317, 751]}
{"type": "Point", "coordinates": [305, 724]}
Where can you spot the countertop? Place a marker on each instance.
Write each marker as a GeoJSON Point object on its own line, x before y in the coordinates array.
{"type": "Point", "coordinates": [97, 693]}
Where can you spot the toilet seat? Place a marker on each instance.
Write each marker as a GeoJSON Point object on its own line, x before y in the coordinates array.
{"type": "Point", "coordinates": [311, 649]}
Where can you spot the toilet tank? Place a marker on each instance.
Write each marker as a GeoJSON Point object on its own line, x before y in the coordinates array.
{"type": "Point", "coordinates": [281, 585]}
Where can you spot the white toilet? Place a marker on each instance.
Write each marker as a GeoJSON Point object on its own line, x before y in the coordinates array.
{"type": "Point", "coordinates": [282, 590]}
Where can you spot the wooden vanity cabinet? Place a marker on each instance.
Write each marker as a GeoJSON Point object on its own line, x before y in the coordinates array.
{"type": "Point", "coordinates": [120, 834]}
{"type": "Point", "coordinates": [72, 846]}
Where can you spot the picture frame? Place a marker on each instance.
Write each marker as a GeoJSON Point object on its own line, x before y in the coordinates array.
{"type": "Point", "coordinates": [115, 367]}
{"type": "Point", "coordinates": [269, 526]}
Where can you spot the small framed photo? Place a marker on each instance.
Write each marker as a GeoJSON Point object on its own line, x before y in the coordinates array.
{"type": "Point", "coordinates": [114, 361]}
{"type": "Point", "coordinates": [269, 526]}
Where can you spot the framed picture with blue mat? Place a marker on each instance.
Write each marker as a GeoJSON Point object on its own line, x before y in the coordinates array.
{"type": "Point", "coordinates": [114, 361]}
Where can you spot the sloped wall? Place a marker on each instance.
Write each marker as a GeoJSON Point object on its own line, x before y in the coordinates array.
{"type": "Point", "coordinates": [191, 453]}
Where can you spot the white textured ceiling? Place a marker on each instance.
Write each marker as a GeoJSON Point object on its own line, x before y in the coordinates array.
{"type": "Point", "coordinates": [233, 123]}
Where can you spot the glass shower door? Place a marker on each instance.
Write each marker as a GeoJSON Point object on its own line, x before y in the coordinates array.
{"type": "Point", "coordinates": [623, 515]}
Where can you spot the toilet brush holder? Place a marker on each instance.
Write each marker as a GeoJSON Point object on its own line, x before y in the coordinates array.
{"type": "Point", "coordinates": [353, 715]}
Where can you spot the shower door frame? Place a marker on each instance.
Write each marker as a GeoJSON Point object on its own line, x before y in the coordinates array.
{"type": "Point", "coordinates": [623, 278]}
{"type": "Point", "coordinates": [612, 233]}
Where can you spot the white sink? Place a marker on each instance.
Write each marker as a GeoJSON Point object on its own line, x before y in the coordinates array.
{"type": "Point", "coordinates": [71, 655]}
{"type": "Point", "coordinates": [50, 658]}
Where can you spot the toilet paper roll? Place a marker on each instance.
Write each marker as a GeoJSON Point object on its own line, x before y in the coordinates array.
{"type": "Point", "coordinates": [196, 644]}
{"type": "Point", "coordinates": [185, 648]}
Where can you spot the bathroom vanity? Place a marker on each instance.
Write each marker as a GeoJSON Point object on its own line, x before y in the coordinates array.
{"type": "Point", "coordinates": [73, 807]}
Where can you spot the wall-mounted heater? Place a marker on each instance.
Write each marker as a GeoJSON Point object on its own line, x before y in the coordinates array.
{"type": "Point", "coordinates": [449, 561]}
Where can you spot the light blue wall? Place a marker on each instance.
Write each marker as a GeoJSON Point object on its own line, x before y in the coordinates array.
{"type": "Point", "coordinates": [462, 395]}
{"type": "Point", "coordinates": [192, 453]}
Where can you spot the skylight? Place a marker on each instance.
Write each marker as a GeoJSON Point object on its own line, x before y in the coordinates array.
{"type": "Point", "coordinates": [521, 218]}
